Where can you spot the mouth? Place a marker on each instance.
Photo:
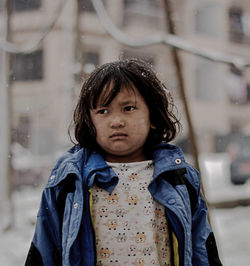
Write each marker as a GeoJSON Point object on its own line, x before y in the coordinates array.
{"type": "Point", "coordinates": [118, 135]}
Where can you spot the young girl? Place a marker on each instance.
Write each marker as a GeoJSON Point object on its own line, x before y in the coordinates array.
{"type": "Point", "coordinates": [123, 195]}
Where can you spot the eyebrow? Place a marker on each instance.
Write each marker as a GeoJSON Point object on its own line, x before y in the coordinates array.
{"type": "Point", "coordinates": [127, 102]}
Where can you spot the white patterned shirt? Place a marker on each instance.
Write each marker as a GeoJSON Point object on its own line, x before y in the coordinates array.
{"type": "Point", "coordinates": [130, 227]}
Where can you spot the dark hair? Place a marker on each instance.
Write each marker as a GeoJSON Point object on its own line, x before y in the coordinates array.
{"type": "Point", "coordinates": [128, 73]}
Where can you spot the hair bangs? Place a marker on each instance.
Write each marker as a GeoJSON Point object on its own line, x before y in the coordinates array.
{"type": "Point", "coordinates": [109, 87]}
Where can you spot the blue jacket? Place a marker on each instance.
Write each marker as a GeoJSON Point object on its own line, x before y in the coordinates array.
{"type": "Point", "coordinates": [64, 233]}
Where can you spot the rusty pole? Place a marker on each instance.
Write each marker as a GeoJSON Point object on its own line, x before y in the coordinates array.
{"type": "Point", "coordinates": [180, 76]}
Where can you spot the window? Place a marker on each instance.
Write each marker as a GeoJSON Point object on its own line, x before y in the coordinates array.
{"type": "Point", "coordinates": [208, 19]}
{"type": "Point", "coordinates": [236, 26]}
{"type": "Point", "coordinates": [91, 60]}
{"type": "Point", "coordinates": [234, 140]}
{"type": "Point", "coordinates": [23, 5]}
{"type": "Point", "coordinates": [141, 11]}
{"type": "Point", "coordinates": [27, 66]}
{"type": "Point", "coordinates": [145, 4]}
{"type": "Point", "coordinates": [237, 87]}
{"type": "Point", "coordinates": [207, 81]}
{"type": "Point", "coordinates": [21, 133]}
{"type": "Point", "coordinates": [239, 23]}
{"type": "Point", "coordinates": [85, 6]}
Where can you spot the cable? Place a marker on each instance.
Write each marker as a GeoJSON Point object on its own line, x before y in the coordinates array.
{"type": "Point", "coordinates": [30, 47]}
{"type": "Point", "coordinates": [169, 39]}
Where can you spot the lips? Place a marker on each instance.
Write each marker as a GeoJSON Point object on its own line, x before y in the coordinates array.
{"type": "Point", "coordinates": [118, 135]}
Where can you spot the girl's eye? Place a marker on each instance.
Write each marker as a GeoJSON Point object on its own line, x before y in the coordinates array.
{"type": "Point", "coordinates": [102, 111]}
{"type": "Point", "coordinates": [129, 108]}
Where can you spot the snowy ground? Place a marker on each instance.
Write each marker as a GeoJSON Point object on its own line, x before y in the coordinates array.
{"type": "Point", "coordinates": [231, 227]}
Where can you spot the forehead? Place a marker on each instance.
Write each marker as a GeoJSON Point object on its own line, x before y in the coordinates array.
{"type": "Point", "coordinates": [123, 94]}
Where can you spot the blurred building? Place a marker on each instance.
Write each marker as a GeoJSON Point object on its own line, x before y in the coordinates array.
{"type": "Point", "coordinates": [219, 94]}
{"type": "Point", "coordinates": [45, 83]}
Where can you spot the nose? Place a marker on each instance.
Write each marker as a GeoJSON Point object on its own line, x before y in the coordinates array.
{"type": "Point", "coordinates": [117, 122]}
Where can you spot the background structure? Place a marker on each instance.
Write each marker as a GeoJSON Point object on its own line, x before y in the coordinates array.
{"type": "Point", "coordinates": [53, 45]}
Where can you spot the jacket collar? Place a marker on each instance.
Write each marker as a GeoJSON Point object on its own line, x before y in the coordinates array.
{"type": "Point", "coordinates": [167, 157]}
{"type": "Point", "coordinates": [91, 166]}
{"type": "Point", "coordinates": [98, 171]}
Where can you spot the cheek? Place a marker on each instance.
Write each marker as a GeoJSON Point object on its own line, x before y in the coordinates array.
{"type": "Point", "coordinates": [100, 136]}
{"type": "Point", "coordinates": [96, 129]}
{"type": "Point", "coordinates": [143, 121]}
{"type": "Point", "coordinates": [99, 129]}
{"type": "Point", "coordinates": [97, 123]}
{"type": "Point", "coordinates": [142, 126]}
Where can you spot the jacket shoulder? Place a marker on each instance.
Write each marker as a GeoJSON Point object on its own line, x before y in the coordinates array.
{"type": "Point", "coordinates": [71, 162]}
{"type": "Point", "coordinates": [173, 157]}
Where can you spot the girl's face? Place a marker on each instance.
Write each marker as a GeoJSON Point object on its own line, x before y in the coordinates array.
{"type": "Point", "coordinates": [122, 127]}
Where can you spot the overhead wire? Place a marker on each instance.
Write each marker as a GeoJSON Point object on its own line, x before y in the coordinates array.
{"type": "Point", "coordinates": [118, 35]}
{"type": "Point", "coordinates": [168, 39]}
{"type": "Point", "coordinates": [32, 46]}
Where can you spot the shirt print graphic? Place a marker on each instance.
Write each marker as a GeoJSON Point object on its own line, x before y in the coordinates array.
{"type": "Point", "coordinates": [130, 227]}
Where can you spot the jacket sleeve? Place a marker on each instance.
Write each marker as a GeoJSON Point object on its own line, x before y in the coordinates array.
{"type": "Point", "coordinates": [46, 244]}
{"type": "Point", "coordinates": [203, 242]}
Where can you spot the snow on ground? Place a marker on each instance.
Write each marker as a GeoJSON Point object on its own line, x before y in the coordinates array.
{"type": "Point", "coordinates": [14, 243]}
{"type": "Point", "coordinates": [231, 227]}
